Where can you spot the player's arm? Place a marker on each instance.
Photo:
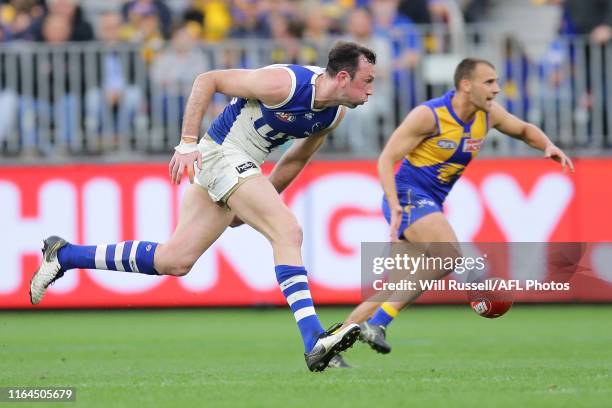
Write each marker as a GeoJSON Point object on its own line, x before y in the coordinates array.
{"type": "Point", "coordinates": [532, 135]}
{"type": "Point", "coordinates": [269, 85]}
{"type": "Point", "coordinates": [419, 124]}
{"type": "Point", "coordinates": [298, 155]}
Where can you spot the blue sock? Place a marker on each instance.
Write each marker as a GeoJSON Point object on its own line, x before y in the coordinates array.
{"type": "Point", "coordinates": [384, 315]}
{"type": "Point", "coordinates": [294, 285]}
{"type": "Point", "coordinates": [128, 256]}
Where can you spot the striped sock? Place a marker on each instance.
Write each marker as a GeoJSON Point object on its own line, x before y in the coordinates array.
{"type": "Point", "coordinates": [294, 285]}
{"type": "Point", "coordinates": [384, 315]}
{"type": "Point", "coordinates": [128, 256]}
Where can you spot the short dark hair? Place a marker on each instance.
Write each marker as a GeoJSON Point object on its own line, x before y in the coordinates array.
{"type": "Point", "coordinates": [344, 56]}
{"type": "Point", "coordinates": [466, 68]}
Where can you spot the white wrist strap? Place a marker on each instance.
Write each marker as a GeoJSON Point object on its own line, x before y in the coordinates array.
{"type": "Point", "coordinates": [184, 148]}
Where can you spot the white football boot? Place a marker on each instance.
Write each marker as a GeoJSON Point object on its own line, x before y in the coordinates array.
{"type": "Point", "coordinates": [49, 270]}
{"type": "Point", "coordinates": [329, 344]}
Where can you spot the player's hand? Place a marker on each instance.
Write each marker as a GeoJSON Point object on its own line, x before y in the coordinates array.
{"type": "Point", "coordinates": [183, 161]}
{"type": "Point", "coordinates": [556, 154]}
{"type": "Point", "coordinates": [236, 222]}
{"type": "Point", "coordinates": [396, 220]}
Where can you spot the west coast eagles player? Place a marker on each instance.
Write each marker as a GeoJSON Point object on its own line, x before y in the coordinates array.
{"type": "Point", "coordinates": [435, 142]}
{"type": "Point", "coordinates": [270, 106]}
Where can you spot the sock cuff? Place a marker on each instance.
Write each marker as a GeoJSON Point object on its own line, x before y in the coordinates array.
{"type": "Point", "coordinates": [145, 257]}
{"type": "Point", "coordinates": [284, 272]}
{"type": "Point", "coordinates": [390, 310]}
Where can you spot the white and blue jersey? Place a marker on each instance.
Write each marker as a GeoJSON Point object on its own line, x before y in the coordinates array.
{"type": "Point", "coordinates": [259, 128]}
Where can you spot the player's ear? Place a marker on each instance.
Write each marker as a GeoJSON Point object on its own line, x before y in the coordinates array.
{"type": "Point", "coordinates": [465, 84]}
{"type": "Point", "coordinates": [343, 78]}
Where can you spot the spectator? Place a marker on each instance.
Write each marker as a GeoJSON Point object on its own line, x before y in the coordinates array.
{"type": "Point", "coordinates": [49, 118]}
{"type": "Point", "coordinates": [178, 65]}
{"type": "Point", "coordinates": [554, 96]}
{"type": "Point", "coordinates": [416, 10]}
{"type": "Point", "coordinates": [593, 19]}
{"type": "Point", "coordinates": [133, 9]}
{"type": "Point", "coordinates": [451, 39]}
{"type": "Point", "coordinates": [287, 8]}
{"type": "Point", "coordinates": [143, 28]}
{"type": "Point", "coordinates": [19, 19]}
{"type": "Point", "coordinates": [79, 27]}
{"type": "Point", "coordinates": [172, 75]}
{"type": "Point", "coordinates": [405, 41]}
{"type": "Point", "coordinates": [398, 29]}
{"type": "Point", "coordinates": [113, 104]}
{"type": "Point", "coordinates": [211, 19]}
{"type": "Point", "coordinates": [285, 36]}
{"type": "Point", "coordinates": [248, 21]}
{"type": "Point", "coordinates": [474, 11]}
{"type": "Point", "coordinates": [316, 35]}
{"type": "Point", "coordinates": [361, 128]}
{"type": "Point", "coordinates": [56, 28]}
{"type": "Point", "coordinates": [515, 76]}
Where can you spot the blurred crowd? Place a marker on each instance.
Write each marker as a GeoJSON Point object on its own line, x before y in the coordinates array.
{"type": "Point", "coordinates": [215, 20]}
{"type": "Point", "coordinates": [170, 36]}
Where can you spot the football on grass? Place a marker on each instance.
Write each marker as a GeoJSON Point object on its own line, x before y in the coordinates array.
{"type": "Point", "coordinates": [491, 303]}
{"type": "Point", "coordinates": [490, 308]}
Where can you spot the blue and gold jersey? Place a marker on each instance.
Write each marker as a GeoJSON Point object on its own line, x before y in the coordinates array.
{"type": "Point", "coordinates": [439, 160]}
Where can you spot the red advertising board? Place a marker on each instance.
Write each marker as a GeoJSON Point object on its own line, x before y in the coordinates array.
{"type": "Point", "coordinates": [337, 203]}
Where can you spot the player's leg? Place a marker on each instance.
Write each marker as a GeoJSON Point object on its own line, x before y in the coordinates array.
{"type": "Point", "coordinates": [363, 311]}
{"type": "Point", "coordinates": [201, 222]}
{"type": "Point", "coordinates": [411, 214]}
{"type": "Point", "coordinates": [431, 228]}
{"type": "Point", "coordinates": [367, 308]}
{"type": "Point", "coordinates": [258, 204]}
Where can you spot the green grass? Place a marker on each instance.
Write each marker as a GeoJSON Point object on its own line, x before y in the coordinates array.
{"type": "Point", "coordinates": [443, 356]}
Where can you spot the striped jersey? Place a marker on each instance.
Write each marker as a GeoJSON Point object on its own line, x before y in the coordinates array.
{"type": "Point", "coordinates": [259, 128]}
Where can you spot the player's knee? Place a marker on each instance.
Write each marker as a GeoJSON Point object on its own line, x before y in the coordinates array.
{"type": "Point", "coordinates": [293, 235]}
{"type": "Point", "coordinates": [289, 232]}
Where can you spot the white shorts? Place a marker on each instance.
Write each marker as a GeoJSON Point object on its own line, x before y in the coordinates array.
{"type": "Point", "coordinates": [224, 167]}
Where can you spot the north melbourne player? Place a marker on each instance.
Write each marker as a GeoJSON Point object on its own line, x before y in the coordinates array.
{"type": "Point", "coordinates": [271, 106]}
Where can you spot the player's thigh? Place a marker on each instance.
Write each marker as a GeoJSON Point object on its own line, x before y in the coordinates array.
{"type": "Point", "coordinates": [258, 204]}
{"type": "Point", "coordinates": [439, 239]}
{"type": "Point", "coordinates": [201, 222]}
{"type": "Point", "coordinates": [433, 227]}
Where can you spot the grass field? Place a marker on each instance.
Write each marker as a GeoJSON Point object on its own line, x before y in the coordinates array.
{"type": "Point", "coordinates": [443, 356]}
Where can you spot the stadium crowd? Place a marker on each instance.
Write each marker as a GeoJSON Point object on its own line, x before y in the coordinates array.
{"type": "Point", "coordinates": [169, 39]}
{"type": "Point", "coordinates": [215, 20]}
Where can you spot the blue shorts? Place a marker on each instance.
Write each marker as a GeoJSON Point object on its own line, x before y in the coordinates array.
{"type": "Point", "coordinates": [416, 204]}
